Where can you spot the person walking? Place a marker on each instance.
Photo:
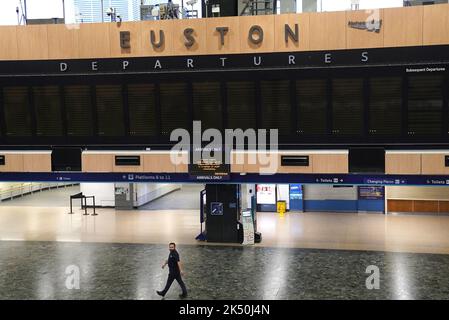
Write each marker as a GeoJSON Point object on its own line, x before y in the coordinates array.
{"type": "Point", "coordinates": [174, 271]}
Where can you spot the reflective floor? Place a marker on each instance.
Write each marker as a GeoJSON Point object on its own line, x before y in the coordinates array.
{"type": "Point", "coordinates": [421, 234]}
{"type": "Point", "coordinates": [37, 270]}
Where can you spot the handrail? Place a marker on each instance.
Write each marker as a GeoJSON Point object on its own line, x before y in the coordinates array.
{"type": "Point", "coordinates": [27, 188]}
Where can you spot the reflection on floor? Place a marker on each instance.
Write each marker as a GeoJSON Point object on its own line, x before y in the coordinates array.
{"type": "Point", "coordinates": [188, 197]}
{"type": "Point", "coordinates": [37, 270]}
{"type": "Point", "coordinates": [425, 234]}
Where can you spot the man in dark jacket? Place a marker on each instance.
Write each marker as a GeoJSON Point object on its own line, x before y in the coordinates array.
{"type": "Point", "coordinates": [174, 271]}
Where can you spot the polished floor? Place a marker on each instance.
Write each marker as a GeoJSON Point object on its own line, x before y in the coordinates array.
{"type": "Point", "coordinates": [42, 270]}
{"type": "Point", "coordinates": [404, 233]}
{"type": "Point", "coordinates": [188, 197]}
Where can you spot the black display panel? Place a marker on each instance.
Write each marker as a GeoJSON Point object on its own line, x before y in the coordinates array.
{"type": "Point", "coordinates": [78, 106]}
{"type": "Point", "coordinates": [311, 99]}
{"type": "Point", "coordinates": [142, 110]}
{"type": "Point", "coordinates": [17, 113]}
{"type": "Point", "coordinates": [425, 105]}
{"type": "Point", "coordinates": [385, 106]}
{"type": "Point", "coordinates": [366, 160]}
{"type": "Point", "coordinates": [347, 106]}
{"type": "Point", "coordinates": [110, 114]}
{"type": "Point", "coordinates": [241, 105]}
{"type": "Point", "coordinates": [66, 159]}
{"type": "Point", "coordinates": [174, 107]}
{"type": "Point", "coordinates": [276, 106]}
{"type": "Point", "coordinates": [47, 107]}
{"type": "Point", "coordinates": [207, 104]}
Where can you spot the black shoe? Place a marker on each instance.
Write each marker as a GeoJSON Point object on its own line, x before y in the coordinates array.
{"type": "Point", "coordinates": [183, 295]}
{"type": "Point", "coordinates": [160, 293]}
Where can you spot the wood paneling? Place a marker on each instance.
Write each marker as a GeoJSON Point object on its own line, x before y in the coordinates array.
{"type": "Point", "coordinates": [199, 27]}
{"type": "Point", "coordinates": [267, 24]}
{"type": "Point", "coordinates": [135, 49]}
{"type": "Point", "coordinates": [37, 162]}
{"type": "Point", "coordinates": [94, 40]}
{"type": "Point", "coordinates": [436, 24]}
{"type": "Point", "coordinates": [97, 162]}
{"type": "Point", "coordinates": [279, 33]}
{"type": "Point", "coordinates": [62, 41]}
{"type": "Point", "coordinates": [355, 38]}
{"type": "Point", "coordinates": [425, 206]}
{"type": "Point", "coordinates": [434, 164]}
{"type": "Point", "coordinates": [32, 42]}
{"type": "Point", "coordinates": [328, 31]}
{"type": "Point", "coordinates": [158, 163]}
{"type": "Point", "coordinates": [8, 43]}
{"type": "Point", "coordinates": [13, 163]}
{"type": "Point", "coordinates": [403, 26]}
{"type": "Point", "coordinates": [411, 26]}
{"type": "Point", "coordinates": [400, 205]}
{"type": "Point", "coordinates": [166, 26]}
{"type": "Point", "coordinates": [444, 206]}
{"type": "Point", "coordinates": [402, 163]}
{"type": "Point", "coordinates": [330, 163]}
{"type": "Point", "coordinates": [231, 39]}
{"type": "Point", "coordinates": [237, 162]}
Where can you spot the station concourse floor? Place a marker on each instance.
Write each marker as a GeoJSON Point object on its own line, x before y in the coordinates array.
{"type": "Point", "coordinates": [302, 255]}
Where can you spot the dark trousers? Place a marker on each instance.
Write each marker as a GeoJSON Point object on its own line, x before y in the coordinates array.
{"type": "Point", "coordinates": [171, 278]}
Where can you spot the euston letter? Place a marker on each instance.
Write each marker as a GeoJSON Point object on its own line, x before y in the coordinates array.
{"type": "Point", "coordinates": [252, 31]}
{"type": "Point", "coordinates": [222, 31]}
{"type": "Point", "coordinates": [189, 37]}
{"type": "Point", "coordinates": [161, 42]}
{"type": "Point", "coordinates": [125, 38]}
{"type": "Point", "coordinates": [289, 33]}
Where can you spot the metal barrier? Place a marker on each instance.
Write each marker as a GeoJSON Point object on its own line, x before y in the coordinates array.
{"type": "Point", "coordinates": [83, 199]}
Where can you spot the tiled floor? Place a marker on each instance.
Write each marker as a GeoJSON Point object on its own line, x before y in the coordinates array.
{"type": "Point", "coordinates": [41, 270]}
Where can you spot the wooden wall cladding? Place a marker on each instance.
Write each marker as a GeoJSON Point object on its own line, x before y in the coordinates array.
{"type": "Point", "coordinates": [328, 31]}
{"type": "Point", "coordinates": [32, 42]}
{"type": "Point", "coordinates": [27, 162]}
{"type": "Point", "coordinates": [267, 24]}
{"type": "Point", "coordinates": [37, 162]}
{"type": "Point", "coordinates": [94, 40]}
{"type": "Point", "coordinates": [436, 24]}
{"type": "Point", "coordinates": [147, 49]}
{"type": "Point", "coordinates": [231, 39]}
{"type": "Point", "coordinates": [13, 163]}
{"type": "Point", "coordinates": [303, 21]}
{"type": "Point", "coordinates": [135, 49]}
{"type": "Point", "coordinates": [8, 43]}
{"type": "Point", "coordinates": [398, 29]}
{"type": "Point", "coordinates": [400, 205]}
{"type": "Point", "coordinates": [402, 163]}
{"type": "Point", "coordinates": [97, 162]}
{"type": "Point", "coordinates": [409, 26]}
{"type": "Point", "coordinates": [434, 164]}
{"type": "Point", "coordinates": [330, 163]}
{"type": "Point", "coordinates": [418, 206]}
{"type": "Point", "coordinates": [318, 163]}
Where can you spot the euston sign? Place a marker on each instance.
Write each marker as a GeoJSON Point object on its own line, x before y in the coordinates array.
{"type": "Point", "coordinates": [255, 36]}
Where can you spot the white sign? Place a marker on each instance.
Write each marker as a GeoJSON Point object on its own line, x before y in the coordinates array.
{"type": "Point", "coordinates": [266, 194]}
